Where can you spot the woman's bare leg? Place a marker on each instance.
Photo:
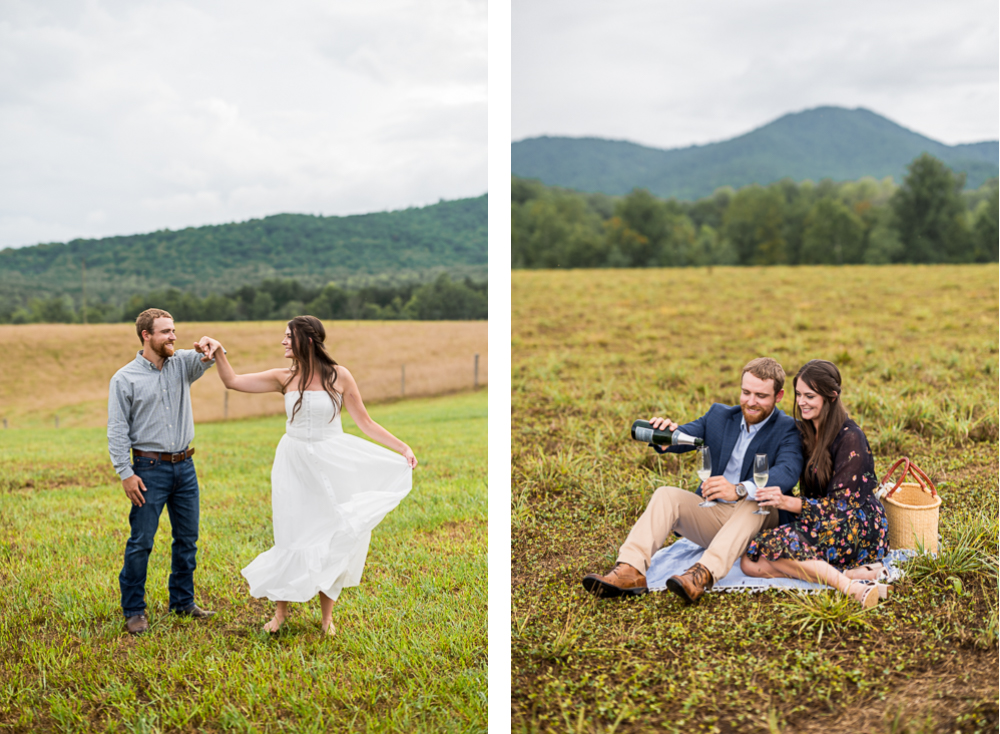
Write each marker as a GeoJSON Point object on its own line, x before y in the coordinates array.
{"type": "Point", "coordinates": [280, 615]}
{"type": "Point", "coordinates": [815, 571]}
{"type": "Point", "coordinates": [326, 606]}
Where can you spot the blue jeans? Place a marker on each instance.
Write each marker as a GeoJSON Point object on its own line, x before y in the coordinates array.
{"type": "Point", "coordinates": [176, 486]}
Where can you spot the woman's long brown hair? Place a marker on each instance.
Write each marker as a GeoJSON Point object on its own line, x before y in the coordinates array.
{"type": "Point", "coordinates": [823, 378]}
{"type": "Point", "coordinates": [309, 355]}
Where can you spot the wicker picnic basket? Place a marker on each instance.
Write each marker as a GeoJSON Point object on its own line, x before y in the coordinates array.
{"type": "Point", "coordinates": [912, 509]}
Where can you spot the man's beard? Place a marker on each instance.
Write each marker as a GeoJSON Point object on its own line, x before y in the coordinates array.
{"type": "Point", "coordinates": [755, 418]}
{"type": "Point", "coordinates": [166, 349]}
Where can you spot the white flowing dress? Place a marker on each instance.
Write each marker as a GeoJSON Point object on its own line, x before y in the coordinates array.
{"type": "Point", "coordinates": [328, 490]}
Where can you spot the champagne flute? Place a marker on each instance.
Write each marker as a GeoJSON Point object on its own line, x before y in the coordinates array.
{"type": "Point", "coordinates": [704, 471]}
{"type": "Point", "coordinates": [760, 473]}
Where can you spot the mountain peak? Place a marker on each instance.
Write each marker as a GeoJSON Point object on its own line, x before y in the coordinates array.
{"type": "Point", "coordinates": [817, 143]}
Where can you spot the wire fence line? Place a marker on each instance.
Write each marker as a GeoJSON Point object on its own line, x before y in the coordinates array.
{"type": "Point", "coordinates": [414, 380]}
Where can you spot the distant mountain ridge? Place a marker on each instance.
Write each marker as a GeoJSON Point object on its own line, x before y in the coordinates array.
{"type": "Point", "coordinates": [447, 236]}
{"type": "Point", "coordinates": [826, 142]}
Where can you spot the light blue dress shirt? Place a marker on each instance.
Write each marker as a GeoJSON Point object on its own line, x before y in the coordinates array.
{"type": "Point", "coordinates": [150, 409]}
{"type": "Point", "coordinates": [735, 465]}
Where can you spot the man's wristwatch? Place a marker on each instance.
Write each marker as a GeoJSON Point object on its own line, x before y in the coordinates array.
{"type": "Point", "coordinates": [741, 491]}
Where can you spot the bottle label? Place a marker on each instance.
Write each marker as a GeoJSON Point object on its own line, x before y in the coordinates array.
{"type": "Point", "coordinates": [644, 434]}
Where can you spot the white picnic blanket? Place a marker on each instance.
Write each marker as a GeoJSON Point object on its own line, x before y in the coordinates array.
{"type": "Point", "coordinates": [681, 555]}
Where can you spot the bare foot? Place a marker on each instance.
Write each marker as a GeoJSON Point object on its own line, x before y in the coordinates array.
{"type": "Point", "coordinates": [328, 629]}
{"type": "Point", "coordinates": [274, 625]}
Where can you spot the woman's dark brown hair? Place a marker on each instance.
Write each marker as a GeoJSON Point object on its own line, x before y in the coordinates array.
{"type": "Point", "coordinates": [309, 356]}
{"type": "Point", "coordinates": [823, 378]}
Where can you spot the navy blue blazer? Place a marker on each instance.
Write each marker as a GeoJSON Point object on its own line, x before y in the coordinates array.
{"type": "Point", "coordinates": [779, 439]}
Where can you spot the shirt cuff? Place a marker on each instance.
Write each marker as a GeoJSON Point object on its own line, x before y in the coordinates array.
{"type": "Point", "coordinates": [751, 488]}
{"type": "Point", "coordinates": [125, 473]}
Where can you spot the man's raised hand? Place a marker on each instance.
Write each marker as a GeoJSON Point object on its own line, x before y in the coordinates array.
{"type": "Point", "coordinates": [206, 347]}
{"type": "Point", "coordinates": [134, 488]}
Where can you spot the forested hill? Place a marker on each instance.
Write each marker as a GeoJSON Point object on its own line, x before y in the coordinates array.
{"type": "Point", "coordinates": [448, 236]}
{"type": "Point", "coordinates": [826, 142]}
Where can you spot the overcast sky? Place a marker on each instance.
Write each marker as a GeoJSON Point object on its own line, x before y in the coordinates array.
{"type": "Point", "coordinates": [126, 116]}
{"type": "Point", "coordinates": [672, 74]}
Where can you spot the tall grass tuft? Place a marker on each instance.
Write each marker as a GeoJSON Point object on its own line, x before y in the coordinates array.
{"type": "Point", "coordinates": [970, 552]}
{"type": "Point", "coordinates": [824, 612]}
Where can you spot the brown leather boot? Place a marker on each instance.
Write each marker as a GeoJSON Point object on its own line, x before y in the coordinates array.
{"type": "Point", "coordinates": [691, 584]}
{"type": "Point", "coordinates": [195, 612]}
{"type": "Point", "coordinates": [622, 580]}
{"type": "Point", "coordinates": [137, 625]}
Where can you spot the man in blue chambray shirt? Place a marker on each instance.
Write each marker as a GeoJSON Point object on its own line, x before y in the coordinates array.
{"type": "Point", "coordinates": [149, 414]}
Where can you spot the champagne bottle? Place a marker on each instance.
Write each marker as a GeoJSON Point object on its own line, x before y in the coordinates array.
{"type": "Point", "coordinates": [644, 431]}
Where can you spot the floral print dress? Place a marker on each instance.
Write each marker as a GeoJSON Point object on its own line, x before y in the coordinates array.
{"type": "Point", "coordinates": [847, 526]}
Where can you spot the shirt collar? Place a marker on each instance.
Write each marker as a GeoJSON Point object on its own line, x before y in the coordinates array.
{"type": "Point", "coordinates": [756, 426]}
{"type": "Point", "coordinates": [146, 363]}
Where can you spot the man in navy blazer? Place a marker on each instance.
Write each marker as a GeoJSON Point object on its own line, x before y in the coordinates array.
{"type": "Point", "coordinates": [734, 433]}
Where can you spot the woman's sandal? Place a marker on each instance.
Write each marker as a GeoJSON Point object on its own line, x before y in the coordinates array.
{"type": "Point", "coordinates": [881, 572]}
{"type": "Point", "coordinates": [870, 598]}
{"type": "Point", "coordinates": [883, 589]}
{"type": "Point", "coordinates": [329, 631]}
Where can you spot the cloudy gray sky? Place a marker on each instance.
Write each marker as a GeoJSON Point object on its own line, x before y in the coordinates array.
{"type": "Point", "coordinates": [671, 74]}
{"type": "Point", "coordinates": [126, 116]}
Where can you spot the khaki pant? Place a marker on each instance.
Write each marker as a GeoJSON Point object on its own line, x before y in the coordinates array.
{"type": "Point", "coordinates": [724, 531]}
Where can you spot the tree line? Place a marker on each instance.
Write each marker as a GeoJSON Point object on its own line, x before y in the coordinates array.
{"type": "Point", "coordinates": [927, 219]}
{"type": "Point", "coordinates": [315, 250]}
{"type": "Point", "coordinates": [441, 299]}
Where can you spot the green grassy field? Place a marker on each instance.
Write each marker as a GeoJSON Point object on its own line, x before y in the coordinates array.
{"type": "Point", "coordinates": [410, 649]}
{"type": "Point", "coordinates": [593, 350]}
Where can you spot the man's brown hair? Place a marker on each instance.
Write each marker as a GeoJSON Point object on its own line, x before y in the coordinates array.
{"type": "Point", "coordinates": [144, 321]}
{"type": "Point", "coordinates": [765, 368]}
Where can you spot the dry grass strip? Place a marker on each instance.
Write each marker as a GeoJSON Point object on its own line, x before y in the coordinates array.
{"type": "Point", "coordinates": [64, 369]}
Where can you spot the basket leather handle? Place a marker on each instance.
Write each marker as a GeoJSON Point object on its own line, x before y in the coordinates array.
{"type": "Point", "coordinates": [913, 470]}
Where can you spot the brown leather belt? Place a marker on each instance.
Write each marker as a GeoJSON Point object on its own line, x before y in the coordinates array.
{"type": "Point", "coordinates": [172, 458]}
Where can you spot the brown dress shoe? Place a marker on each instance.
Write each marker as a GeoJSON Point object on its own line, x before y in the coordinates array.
{"type": "Point", "coordinates": [137, 625]}
{"type": "Point", "coordinates": [195, 612]}
{"type": "Point", "coordinates": [691, 584]}
{"type": "Point", "coordinates": [622, 580]}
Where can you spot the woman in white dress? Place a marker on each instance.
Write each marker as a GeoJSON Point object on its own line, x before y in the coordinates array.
{"type": "Point", "coordinates": [328, 488]}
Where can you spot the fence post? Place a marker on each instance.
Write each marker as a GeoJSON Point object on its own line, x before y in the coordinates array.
{"type": "Point", "coordinates": [5, 423]}
{"type": "Point", "coordinates": [57, 420]}
{"type": "Point", "coordinates": [402, 380]}
{"type": "Point", "coordinates": [225, 407]}
{"type": "Point", "coordinates": [475, 375]}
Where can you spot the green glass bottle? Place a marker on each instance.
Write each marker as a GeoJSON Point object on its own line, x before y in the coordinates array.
{"type": "Point", "coordinates": [644, 431]}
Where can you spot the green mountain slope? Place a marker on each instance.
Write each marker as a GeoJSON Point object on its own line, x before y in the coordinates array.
{"type": "Point", "coordinates": [827, 142]}
{"type": "Point", "coordinates": [448, 236]}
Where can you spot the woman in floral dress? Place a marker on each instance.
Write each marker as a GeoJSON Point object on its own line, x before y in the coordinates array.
{"type": "Point", "coordinates": [841, 532]}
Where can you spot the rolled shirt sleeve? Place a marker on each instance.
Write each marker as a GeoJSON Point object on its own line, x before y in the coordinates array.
{"type": "Point", "coordinates": [193, 364]}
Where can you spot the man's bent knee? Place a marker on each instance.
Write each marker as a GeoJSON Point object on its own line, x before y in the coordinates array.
{"type": "Point", "coordinates": [666, 495]}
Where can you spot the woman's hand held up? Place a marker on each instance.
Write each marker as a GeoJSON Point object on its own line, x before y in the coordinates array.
{"type": "Point", "coordinates": [769, 497]}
